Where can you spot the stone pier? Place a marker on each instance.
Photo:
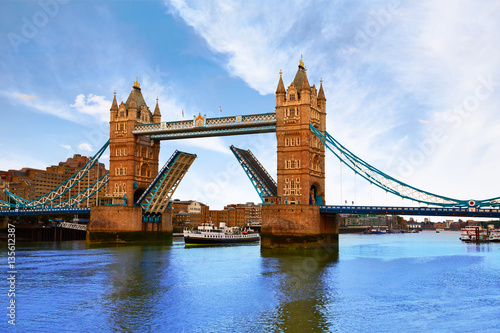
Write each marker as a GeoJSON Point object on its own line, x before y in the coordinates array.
{"type": "Point", "coordinates": [297, 226]}
{"type": "Point", "coordinates": [119, 224]}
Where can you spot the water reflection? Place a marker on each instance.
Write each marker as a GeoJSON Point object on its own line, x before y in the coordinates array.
{"type": "Point", "coordinates": [134, 279]}
{"type": "Point", "coordinates": [478, 247]}
{"type": "Point", "coordinates": [304, 286]}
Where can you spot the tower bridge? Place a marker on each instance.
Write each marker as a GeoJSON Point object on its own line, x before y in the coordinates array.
{"type": "Point", "coordinates": [294, 212]}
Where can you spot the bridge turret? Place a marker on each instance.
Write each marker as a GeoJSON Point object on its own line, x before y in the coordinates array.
{"type": "Point", "coordinates": [114, 108]}
{"type": "Point", "coordinates": [157, 114]}
{"type": "Point", "coordinates": [280, 91]}
{"type": "Point", "coordinates": [322, 107]}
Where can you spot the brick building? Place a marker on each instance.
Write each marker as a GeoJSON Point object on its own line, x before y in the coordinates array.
{"type": "Point", "coordinates": [31, 184]}
{"type": "Point", "coordinates": [3, 186]}
{"type": "Point", "coordinates": [189, 212]}
{"type": "Point", "coordinates": [234, 215]}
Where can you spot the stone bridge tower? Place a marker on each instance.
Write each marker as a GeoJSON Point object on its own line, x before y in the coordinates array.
{"type": "Point", "coordinates": [133, 164]}
{"type": "Point", "coordinates": [301, 155]}
{"type": "Point", "coordinates": [133, 161]}
{"type": "Point", "coordinates": [295, 221]}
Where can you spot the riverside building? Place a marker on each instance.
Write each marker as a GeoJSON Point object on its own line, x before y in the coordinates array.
{"type": "Point", "coordinates": [31, 184]}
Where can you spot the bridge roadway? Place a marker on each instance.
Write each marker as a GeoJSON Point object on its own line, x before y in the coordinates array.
{"type": "Point", "coordinates": [427, 211]}
{"type": "Point", "coordinates": [45, 211]}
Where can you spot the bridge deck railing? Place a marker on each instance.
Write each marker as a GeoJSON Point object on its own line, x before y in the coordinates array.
{"type": "Point", "coordinates": [188, 125]}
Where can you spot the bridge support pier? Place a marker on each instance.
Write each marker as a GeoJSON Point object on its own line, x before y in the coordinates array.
{"type": "Point", "coordinates": [4, 220]}
{"type": "Point", "coordinates": [121, 224]}
{"type": "Point", "coordinates": [298, 226]}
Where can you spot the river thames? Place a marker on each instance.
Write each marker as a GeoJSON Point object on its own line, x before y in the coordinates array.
{"type": "Point", "coordinates": [425, 282]}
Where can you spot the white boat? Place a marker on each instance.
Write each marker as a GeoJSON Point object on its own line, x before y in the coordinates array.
{"type": "Point", "coordinates": [208, 233]}
{"type": "Point", "coordinates": [474, 233]}
{"type": "Point", "coordinates": [494, 235]}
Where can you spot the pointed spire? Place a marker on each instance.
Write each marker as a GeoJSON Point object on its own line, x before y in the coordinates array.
{"type": "Point", "coordinates": [301, 63]}
{"type": "Point", "coordinates": [157, 114]}
{"type": "Point", "coordinates": [114, 106]}
{"type": "Point", "coordinates": [305, 81]}
{"type": "Point", "coordinates": [321, 93]}
{"type": "Point", "coordinates": [157, 108]}
{"type": "Point", "coordinates": [281, 86]}
{"type": "Point", "coordinates": [131, 102]}
{"type": "Point", "coordinates": [136, 83]}
{"type": "Point", "coordinates": [301, 76]}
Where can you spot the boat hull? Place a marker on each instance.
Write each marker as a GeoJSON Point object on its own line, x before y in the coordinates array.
{"type": "Point", "coordinates": [203, 240]}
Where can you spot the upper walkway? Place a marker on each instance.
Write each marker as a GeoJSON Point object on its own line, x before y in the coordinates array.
{"type": "Point", "coordinates": [206, 127]}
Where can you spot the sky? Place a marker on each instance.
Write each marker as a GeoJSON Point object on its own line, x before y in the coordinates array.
{"type": "Point", "coordinates": [412, 87]}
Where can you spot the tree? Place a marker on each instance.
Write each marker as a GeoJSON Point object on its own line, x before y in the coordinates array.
{"type": "Point", "coordinates": [401, 222]}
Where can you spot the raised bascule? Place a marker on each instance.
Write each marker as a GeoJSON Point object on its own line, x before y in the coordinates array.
{"type": "Point", "coordinates": [294, 211]}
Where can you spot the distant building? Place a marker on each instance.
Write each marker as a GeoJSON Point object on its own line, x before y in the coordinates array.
{"type": "Point", "coordinates": [31, 184]}
{"type": "Point", "coordinates": [440, 225]}
{"type": "Point", "coordinates": [190, 211]}
{"type": "Point", "coordinates": [427, 225]}
{"type": "Point", "coordinates": [369, 220]}
{"type": "Point", "coordinates": [247, 215]}
{"type": "Point", "coordinates": [412, 225]}
{"type": "Point", "coordinates": [3, 186]}
{"type": "Point", "coordinates": [234, 215]}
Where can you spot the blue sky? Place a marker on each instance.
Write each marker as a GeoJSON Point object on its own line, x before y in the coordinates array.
{"type": "Point", "coordinates": [412, 87]}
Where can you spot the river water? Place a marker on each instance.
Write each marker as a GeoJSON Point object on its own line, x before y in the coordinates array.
{"type": "Point", "coordinates": [425, 282]}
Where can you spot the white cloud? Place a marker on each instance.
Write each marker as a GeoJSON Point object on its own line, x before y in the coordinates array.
{"type": "Point", "coordinates": [85, 110]}
{"type": "Point", "coordinates": [66, 146]}
{"type": "Point", "coordinates": [170, 107]}
{"type": "Point", "coordinates": [85, 147]}
{"type": "Point", "coordinates": [247, 32]}
{"type": "Point", "coordinates": [52, 107]}
{"type": "Point", "coordinates": [96, 106]}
